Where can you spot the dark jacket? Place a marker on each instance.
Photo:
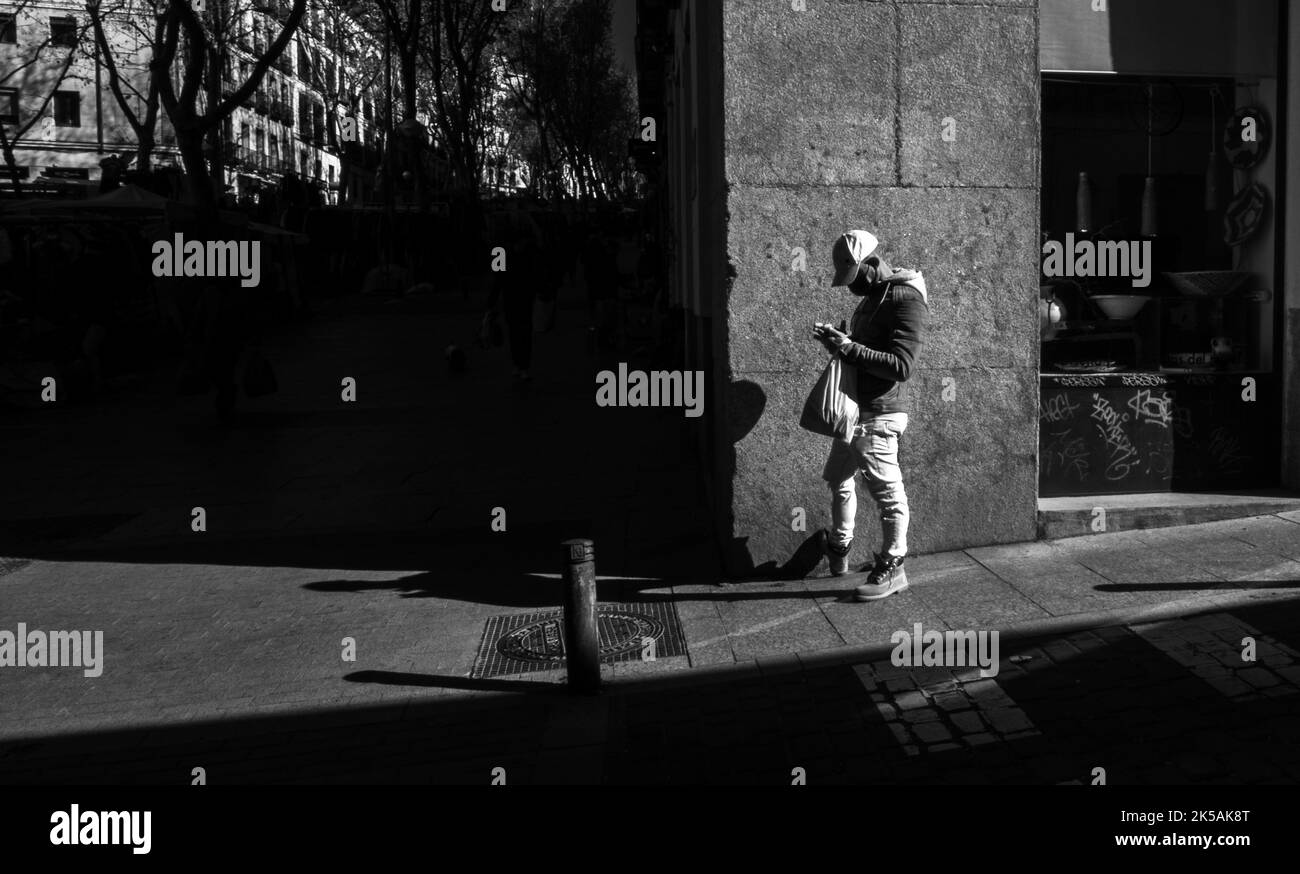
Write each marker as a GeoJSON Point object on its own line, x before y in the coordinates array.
{"type": "Point", "coordinates": [887, 332]}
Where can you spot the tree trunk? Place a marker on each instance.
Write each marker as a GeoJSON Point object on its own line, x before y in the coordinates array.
{"type": "Point", "coordinates": [196, 168]}
{"type": "Point", "coordinates": [214, 158]}
{"type": "Point", "coordinates": [406, 68]}
{"type": "Point", "coordinates": [7, 147]}
{"type": "Point", "coordinates": [144, 153]}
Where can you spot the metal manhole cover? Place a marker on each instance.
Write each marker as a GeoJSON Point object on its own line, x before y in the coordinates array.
{"type": "Point", "coordinates": [535, 641]}
{"type": "Point", "coordinates": [543, 641]}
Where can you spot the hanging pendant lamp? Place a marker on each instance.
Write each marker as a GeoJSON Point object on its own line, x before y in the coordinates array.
{"type": "Point", "coordinates": [1212, 167]}
{"type": "Point", "coordinates": [1149, 204]}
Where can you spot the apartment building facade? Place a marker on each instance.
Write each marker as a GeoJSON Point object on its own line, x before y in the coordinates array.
{"type": "Point", "coordinates": [62, 120]}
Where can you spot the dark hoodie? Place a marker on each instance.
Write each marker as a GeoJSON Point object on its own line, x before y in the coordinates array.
{"type": "Point", "coordinates": [887, 332]}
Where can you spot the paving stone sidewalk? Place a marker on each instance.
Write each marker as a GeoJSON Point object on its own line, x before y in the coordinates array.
{"type": "Point", "coordinates": [1062, 709]}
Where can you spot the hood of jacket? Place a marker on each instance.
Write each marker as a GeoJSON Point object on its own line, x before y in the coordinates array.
{"type": "Point", "coordinates": [905, 276]}
{"type": "Point", "coordinates": [879, 275]}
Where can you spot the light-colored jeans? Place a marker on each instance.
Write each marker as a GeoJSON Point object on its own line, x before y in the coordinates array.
{"type": "Point", "coordinates": [873, 453]}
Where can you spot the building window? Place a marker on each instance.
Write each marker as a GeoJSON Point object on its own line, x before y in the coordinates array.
{"type": "Point", "coordinates": [67, 108]}
{"type": "Point", "coordinates": [63, 32]}
{"type": "Point", "coordinates": [9, 28]}
{"type": "Point", "coordinates": [9, 105]}
{"type": "Point", "coordinates": [275, 149]}
{"type": "Point", "coordinates": [258, 138]}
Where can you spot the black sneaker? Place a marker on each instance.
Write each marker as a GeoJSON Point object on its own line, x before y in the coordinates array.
{"type": "Point", "coordinates": [887, 577]}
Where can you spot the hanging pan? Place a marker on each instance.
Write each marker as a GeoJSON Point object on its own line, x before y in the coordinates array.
{"type": "Point", "coordinates": [1245, 214]}
{"type": "Point", "coordinates": [1246, 137]}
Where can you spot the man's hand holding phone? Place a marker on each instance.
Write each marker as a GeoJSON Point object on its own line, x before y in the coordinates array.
{"type": "Point", "coordinates": [829, 336]}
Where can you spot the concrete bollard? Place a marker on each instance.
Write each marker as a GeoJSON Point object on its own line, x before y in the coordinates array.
{"type": "Point", "coordinates": [581, 633]}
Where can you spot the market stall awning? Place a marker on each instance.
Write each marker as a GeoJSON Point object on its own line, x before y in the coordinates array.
{"type": "Point", "coordinates": [273, 231]}
{"type": "Point", "coordinates": [128, 198]}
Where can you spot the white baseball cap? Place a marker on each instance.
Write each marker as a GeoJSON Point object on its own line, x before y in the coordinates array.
{"type": "Point", "coordinates": [848, 254]}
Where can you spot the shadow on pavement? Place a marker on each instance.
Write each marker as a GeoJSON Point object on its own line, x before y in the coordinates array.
{"type": "Point", "coordinates": [1198, 586]}
{"type": "Point", "coordinates": [1119, 704]}
{"type": "Point", "coordinates": [433, 681]}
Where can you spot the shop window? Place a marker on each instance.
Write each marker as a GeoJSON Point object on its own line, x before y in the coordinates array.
{"type": "Point", "coordinates": [63, 32]}
{"type": "Point", "coordinates": [1158, 304]}
{"type": "Point", "coordinates": [9, 105]}
{"type": "Point", "coordinates": [1143, 228]}
{"type": "Point", "coordinates": [67, 108]}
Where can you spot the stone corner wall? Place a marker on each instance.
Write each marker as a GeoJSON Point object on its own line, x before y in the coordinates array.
{"type": "Point", "coordinates": [918, 122]}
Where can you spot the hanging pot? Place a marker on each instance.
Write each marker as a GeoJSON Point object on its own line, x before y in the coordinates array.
{"type": "Point", "coordinates": [1245, 214]}
{"type": "Point", "coordinates": [1246, 137]}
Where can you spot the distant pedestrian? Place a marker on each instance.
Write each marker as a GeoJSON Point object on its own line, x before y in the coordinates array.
{"type": "Point", "coordinates": [515, 289]}
{"type": "Point", "coordinates": [883, 342]}
{"type": "Point", "coordinates": [550, 276]}
{"type": "Point", "coordinates": [600, 268]}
